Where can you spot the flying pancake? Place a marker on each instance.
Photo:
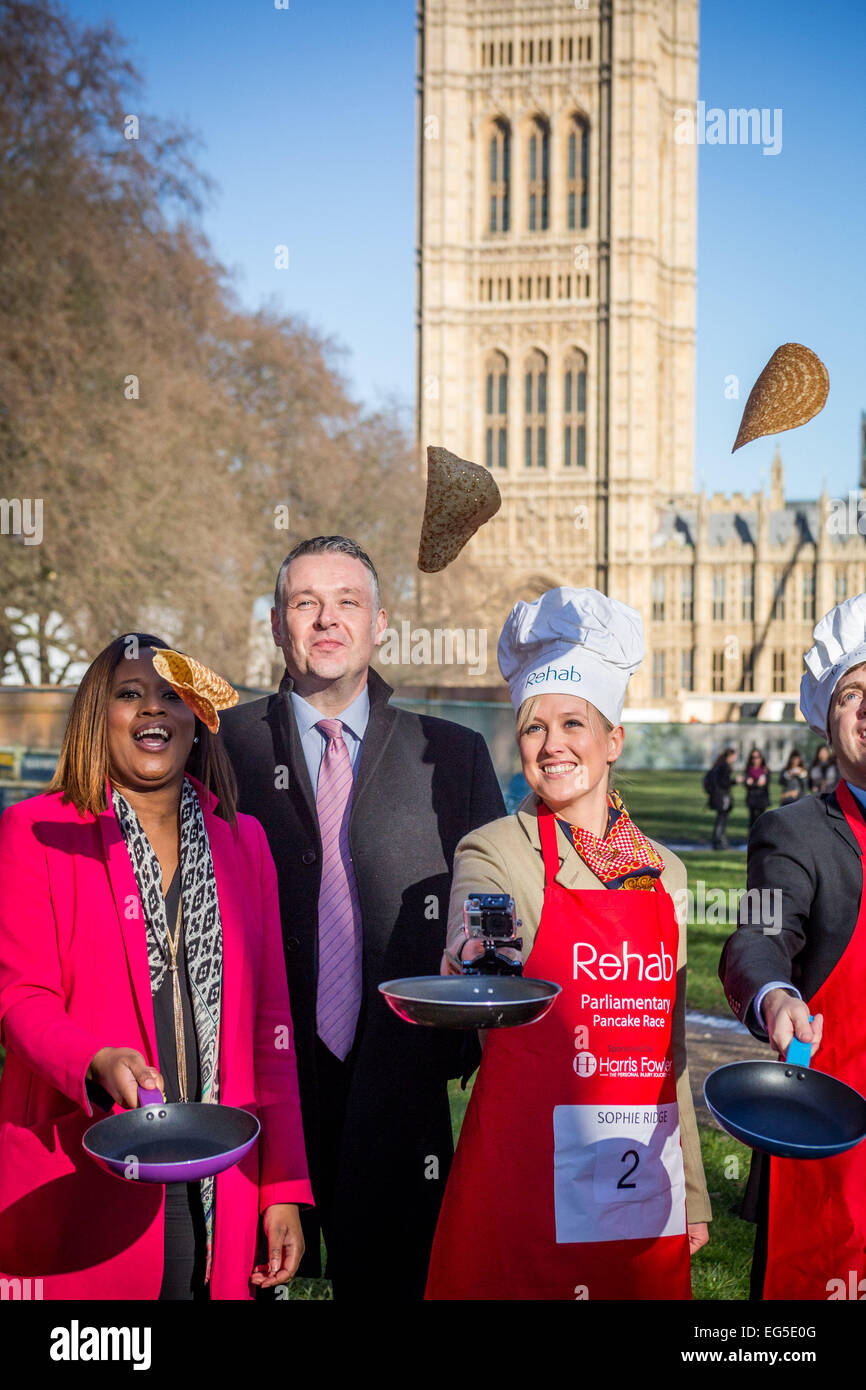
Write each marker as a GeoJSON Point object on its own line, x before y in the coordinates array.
{"type": "Point", "coordinates": [198, 686]}
{"type": "Point", "coordinates": [790, 391]}
{"type": "Point", "coordinates": [461, 496]}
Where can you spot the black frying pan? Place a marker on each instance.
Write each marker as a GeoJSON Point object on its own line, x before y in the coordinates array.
{"type": "Point", "coordinates": [469, 1001]}
{"type": "Point", "coordinates": [785, 1108]}
{"type": "Point", "coordinates": [175, 1142]}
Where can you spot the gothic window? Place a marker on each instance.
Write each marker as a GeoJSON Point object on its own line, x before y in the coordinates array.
{"type": "Point", "coordinates": [574, 410]}
{"type": "Point", "coordinates": [496, 411]}
{"type": "Point", "coordinates": [577, 174]}
{"type": "Point", "coordinates": [809, 597]}
{"type": "Point", "coordinates": [778, 672]}
{"type": "Point", "coordinates": [687, 596]}
{"type": "Point", "coordinates": [779, 596]}
{"type": "Point", "coordinates": [535, 411]}
{"type": "Point", "coordinates": [658, 598]}
{"type": "Point", "coordinates": [658, 675]}
{"type": "Point", "coordinates": [499, 176]}
{"type": "Point", "coordinates": [718, 680]}
{"type": "Point", "coordinates": [841, 589]}
{"type": "Point", "coordinates": [687, 669]}
{"type": "Point", "coordinates": [539, 175]}
{"type": "Point", "coordinates": [747, 675]}
{"type": "Point", "coordinates": [747, 605]}
{"type": "Point", "coordinates": [718, 596]}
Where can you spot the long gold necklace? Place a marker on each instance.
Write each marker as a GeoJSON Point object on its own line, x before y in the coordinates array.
{"type": "Point", "coordinates": [179, 1041]}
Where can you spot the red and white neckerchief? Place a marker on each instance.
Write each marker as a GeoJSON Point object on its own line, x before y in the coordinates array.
{"type": "Point", "coordinates": [624, 858]}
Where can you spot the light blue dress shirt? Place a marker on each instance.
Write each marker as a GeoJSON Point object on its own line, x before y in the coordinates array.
{"type": "Point", "coordinates": [354, 719]}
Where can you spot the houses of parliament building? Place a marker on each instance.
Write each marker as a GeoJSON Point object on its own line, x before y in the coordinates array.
{"type": "Point", "coordinates": [556, 346]}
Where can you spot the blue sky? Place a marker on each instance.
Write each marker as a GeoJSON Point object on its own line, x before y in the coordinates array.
{"type": "Point", "coordinates": [307, 123]}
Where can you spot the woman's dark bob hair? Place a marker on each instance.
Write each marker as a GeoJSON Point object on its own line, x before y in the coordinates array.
{"type": "Point", "coordinates": [84, 763]}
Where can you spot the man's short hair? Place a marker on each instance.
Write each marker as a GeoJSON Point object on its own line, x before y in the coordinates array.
{"type": "Point", "coordinates": [323, 545]}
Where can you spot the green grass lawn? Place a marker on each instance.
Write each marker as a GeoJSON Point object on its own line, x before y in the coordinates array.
{"type": "Point", "coordinates": [673, 806]}
{"type": "Point", "coordinates": [725, 870]}
{"type": "Point", "coordinates": [721, 1269]}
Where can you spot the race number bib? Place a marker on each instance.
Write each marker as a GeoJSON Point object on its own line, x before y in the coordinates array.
{"type": "Point", "coordinates": [617, 1172]}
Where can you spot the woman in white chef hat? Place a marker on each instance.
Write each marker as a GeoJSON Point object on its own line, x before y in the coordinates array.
{"type": "Point", "coordinates": [578, 1173]}
{"type": "Point", "coordinates": [807, 956]}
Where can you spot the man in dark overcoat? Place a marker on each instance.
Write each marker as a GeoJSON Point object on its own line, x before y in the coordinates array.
{"type": "Point", "coordinates": [376, 1120]}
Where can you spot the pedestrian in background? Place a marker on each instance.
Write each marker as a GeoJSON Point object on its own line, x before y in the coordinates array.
{"type": "Point", "coordinates": [793, 779]}
{"type": "Point", "coordinates": [757, 781]}
{"type": "Point", "coordinates": [823, 772]}
{"type": "Point", "coordinates": [717, 785]}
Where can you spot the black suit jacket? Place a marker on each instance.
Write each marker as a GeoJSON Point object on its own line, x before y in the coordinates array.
{"type": "Point", "coordinates": [421, 784]}
{"type": "Point", "coordinates": [806, 854]}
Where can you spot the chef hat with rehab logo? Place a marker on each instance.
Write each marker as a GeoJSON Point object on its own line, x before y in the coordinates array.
{"type": "Point", "coordinates": [840, 643]}
{"type": "Point", "coordinates": [576, 641]}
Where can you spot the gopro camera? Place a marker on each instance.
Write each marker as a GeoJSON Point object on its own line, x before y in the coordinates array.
{"type": "Point", "coordinates": [489, 917]}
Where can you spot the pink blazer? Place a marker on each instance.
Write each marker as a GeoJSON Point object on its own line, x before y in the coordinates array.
{"type": "Point", "coordinates": [74, 978]}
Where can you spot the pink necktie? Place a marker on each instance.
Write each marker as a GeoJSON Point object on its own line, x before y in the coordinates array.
{"type": "Point", "coordinates": [338, 999]}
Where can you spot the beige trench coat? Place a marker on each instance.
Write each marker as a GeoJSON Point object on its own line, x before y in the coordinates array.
{"type": "Point", "coordinates": [505, 857]}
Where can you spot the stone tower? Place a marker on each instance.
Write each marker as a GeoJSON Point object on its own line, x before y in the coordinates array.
{"type": "Point", "coordinates": [556, 276]}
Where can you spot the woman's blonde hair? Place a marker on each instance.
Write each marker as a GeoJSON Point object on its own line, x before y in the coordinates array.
{"type": "Point", "coordinates": [83, 765]}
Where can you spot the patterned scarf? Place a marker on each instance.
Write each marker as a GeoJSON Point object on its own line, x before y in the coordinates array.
{"type": "Point", "coordinates": [624, 857]}
{"type": "Point", "coordinates": [203, 939]}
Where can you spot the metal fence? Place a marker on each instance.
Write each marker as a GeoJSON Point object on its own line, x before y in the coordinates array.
{"type": "Point", "coordinates": [24, 771]}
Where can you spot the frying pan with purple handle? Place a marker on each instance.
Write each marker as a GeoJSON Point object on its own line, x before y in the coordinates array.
{"type": "Point", "coordinates": [171, 1142]}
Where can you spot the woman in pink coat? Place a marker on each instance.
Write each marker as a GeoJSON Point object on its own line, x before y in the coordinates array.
{"type": "Point", "coordinates": [128, 866]}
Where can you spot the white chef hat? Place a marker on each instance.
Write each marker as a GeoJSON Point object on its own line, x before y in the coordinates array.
{"type": "Point", "coordinates": [840, 643]}
{"type": "Point", "coordinates": [576, 641]}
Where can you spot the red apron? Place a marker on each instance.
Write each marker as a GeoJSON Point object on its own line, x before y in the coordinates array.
{"type": "Point", "coordinates": [816, 1239]}
{"type": "Point", "coordinates": [568, 1178]}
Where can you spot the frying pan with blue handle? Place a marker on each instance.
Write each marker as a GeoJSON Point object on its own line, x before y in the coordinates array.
{"type": "Point", "coordinates": [785, 1108]}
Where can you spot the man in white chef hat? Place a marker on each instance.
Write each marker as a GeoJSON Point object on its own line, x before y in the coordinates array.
{"type": "Point", "coordinates": [809, 958]}
{"type": "Point", "coordinates": [617, 1029]}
